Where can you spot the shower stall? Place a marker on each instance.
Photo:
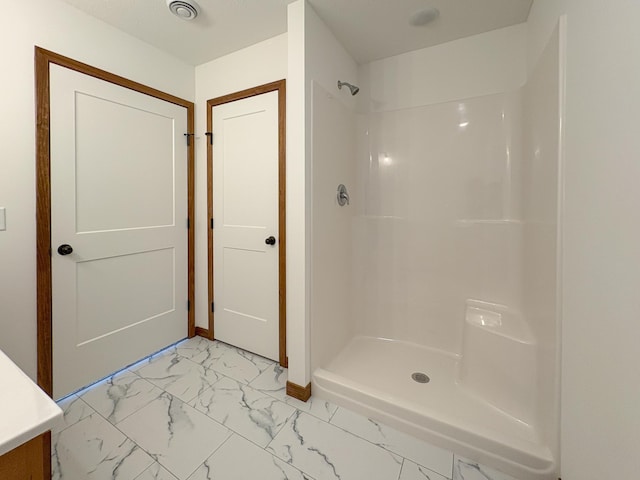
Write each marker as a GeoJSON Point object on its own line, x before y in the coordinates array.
{"type": "Point", "coordinates": [434, 291]}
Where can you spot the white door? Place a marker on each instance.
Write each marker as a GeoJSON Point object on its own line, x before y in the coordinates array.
{"type": "Point", "coordinates": [119, 200]}
{"type": "Point", "coordinates": [245, 200]}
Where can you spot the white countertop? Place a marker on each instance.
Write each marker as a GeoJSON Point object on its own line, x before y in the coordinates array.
{"type": "Point", "coordinates": [25, 410]}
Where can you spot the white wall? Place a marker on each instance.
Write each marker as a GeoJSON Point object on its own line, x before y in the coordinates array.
{"type": "Point", "coordinates": [55, 26]}
{"type": "Point", "coordinates": [333, 163]}
{"type": "Point", "coordinates": [484, 64]}
{"type": "Point", "coordinates": [600, 424]}
{"type": "Point", "coordinates": [258, 64]}
{"type": "Point", "coordinates": [327, 61]}
{"type": "Point", "coordinates": [332, 149]}
{"type": "Point", "coordinates": [298, 199]}
{"type": "Point", "coordinates": [315, 57]}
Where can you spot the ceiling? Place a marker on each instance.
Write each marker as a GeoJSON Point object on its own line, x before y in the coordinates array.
{"type": "Point", "coordinates": [369, 29]}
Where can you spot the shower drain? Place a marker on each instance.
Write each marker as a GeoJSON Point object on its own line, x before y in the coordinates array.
{"type": "Point", "coordinates": [420, 377]}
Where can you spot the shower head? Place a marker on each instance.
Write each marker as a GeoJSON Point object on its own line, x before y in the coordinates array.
{"type": "Point", "coordinates": [353, 88]}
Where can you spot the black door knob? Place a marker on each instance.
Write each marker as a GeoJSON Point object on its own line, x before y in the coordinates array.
{"type": "Point", "coordinates": [270, 240]}
{"type": "Point", "coordinates": [65, 249]}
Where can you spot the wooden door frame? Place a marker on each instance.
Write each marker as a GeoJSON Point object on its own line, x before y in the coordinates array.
{"type": "Point", "coordinates": [281, 87]}
{"type": "Point", "coordinates": [43, 60]}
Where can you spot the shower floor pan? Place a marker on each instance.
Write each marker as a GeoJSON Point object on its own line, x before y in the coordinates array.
{"type": "Point", "coordinates": [374, 376]}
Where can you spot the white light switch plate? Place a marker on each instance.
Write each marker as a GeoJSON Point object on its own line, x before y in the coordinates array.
{"type": "Point", "coordinates": [3, 218]}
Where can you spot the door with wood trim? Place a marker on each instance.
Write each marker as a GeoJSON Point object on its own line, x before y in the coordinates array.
{"type": "Point", "coordinates": [118, 226]}
{"type": "Point", "coordinates": [248, 206]}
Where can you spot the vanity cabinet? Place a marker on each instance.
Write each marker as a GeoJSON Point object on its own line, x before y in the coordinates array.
{"type": "Point", "coordinates": [29, 461]}
{"type": "Point", "coordinates": [27, 415]}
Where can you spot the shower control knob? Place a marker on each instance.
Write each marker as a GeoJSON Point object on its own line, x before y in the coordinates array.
{"type": "Point", "coordinates": [270, 240]}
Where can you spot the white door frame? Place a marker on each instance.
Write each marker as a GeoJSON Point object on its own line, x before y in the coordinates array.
{"type": "Point", "coordinates": [43, 60]}
{"type": "Point", "coordinates": [280, 87]}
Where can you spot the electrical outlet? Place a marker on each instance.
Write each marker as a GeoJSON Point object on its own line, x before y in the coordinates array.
{"type": "Point", "coordinates": [3, 218]}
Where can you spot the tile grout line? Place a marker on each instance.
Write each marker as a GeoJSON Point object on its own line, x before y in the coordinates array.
{"type": "Point", "coordinates": [273, 395]}
{"type": "Point", "coordinates": [361, 438]}
{"type": "Point", "coordinates": [382, 447]}
{"type": "Point", "coordinates": [278, 458]}
{"type": "Point", "coordinates": [139, 446]}
{"type": "Point", "coordinates": [135, 411]}
{"type": "Point", "coordinates": [395, 453]}
{"type": "Point", "coordinates": [401, 468]}
{"type": "Point", "coordinates": [284, 424]}
{"type": "Point", "coordinates": [231, 433]}
{"type": "Point", "coordinates": [350, 433]}
{"type": "Point", "coordinates": [160, 465]}
{"type": "Point", "coordinates": [221, 376]}
{"type": "Point", "coordinates": [358, 436]}
{"type": "Point", "coordinates": [281, 459]}
{"type": "Point", "coordinates": [125, 436]}
{"type": "Point", "coordinates": [333, 415]}
{"type": "Point", "coordinates": [126, 369]}
{"type": "Point", "coordinates": [68, 426]}
{"type": "Point", "coordinates": [241, 435]}
{"type": "Point", "coordinates": [152, 455]}
{"type": "Point", "coordinates": [235, 349]}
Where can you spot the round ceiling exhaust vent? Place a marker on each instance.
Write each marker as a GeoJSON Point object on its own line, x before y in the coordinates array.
{"type": "Point", "coordinates": [184, 9]}
{"type": "Point", "coordinates": [424, 17]}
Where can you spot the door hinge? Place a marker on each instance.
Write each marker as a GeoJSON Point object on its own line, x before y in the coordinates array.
{"type": "Point", "coordinates": [188, 223]}
{"type": "Point", "coordinates": [210, 135]}
{"type": "Point", "coordinates": [212, 308]}
{"type": "Point", "coordinates": [212, 223]}
{"type": "Point", "coordinates": [188, 135]}
{"type": "Point", "coordinates": [188, 305]}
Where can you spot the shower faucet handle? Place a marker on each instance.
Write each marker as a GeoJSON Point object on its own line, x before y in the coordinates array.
{"type": "Point", "coordinates": [343, 195]}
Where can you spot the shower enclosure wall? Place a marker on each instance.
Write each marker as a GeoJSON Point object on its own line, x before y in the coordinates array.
{"type": "Point", "coordinates": [444, 263]}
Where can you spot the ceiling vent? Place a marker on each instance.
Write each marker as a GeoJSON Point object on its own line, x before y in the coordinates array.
{"type": "Point", "coordinates": [184, 9]}
{"type": "Point", "coordinates": [424, 17]}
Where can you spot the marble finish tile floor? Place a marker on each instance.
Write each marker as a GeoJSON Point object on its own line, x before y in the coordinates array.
{"type": "Point", "coordinates": [204, 410]}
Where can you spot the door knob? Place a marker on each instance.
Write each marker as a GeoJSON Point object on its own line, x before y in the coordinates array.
{"type": "Point", "coordinates": [65, 249]}
{"type": "Point", "coordinates": [270, 240]}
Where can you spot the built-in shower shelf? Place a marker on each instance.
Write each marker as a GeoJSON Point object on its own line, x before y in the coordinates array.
{"type": "Point", "coordinates": [499, 320]}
